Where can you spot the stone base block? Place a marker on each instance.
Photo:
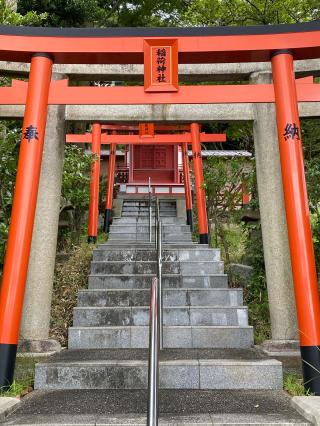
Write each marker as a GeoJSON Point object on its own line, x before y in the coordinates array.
{"type": "Point", "coordinates": [38, 346]}
{"type": "Point", "coordinates": [281, 347]}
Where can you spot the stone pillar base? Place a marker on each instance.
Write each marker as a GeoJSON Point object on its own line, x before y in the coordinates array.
{"type": "Point", "coordinates": [281, 347]}
{"type": "Point", "coordinates": [38, 346]}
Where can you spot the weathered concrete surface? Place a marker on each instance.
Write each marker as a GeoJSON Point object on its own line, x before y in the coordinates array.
{"type": "Point", "coordinates": [181, 208]}
{"type": "Point", "coordinates": [160, 113]}
{"type": "Point", "coordinates": [180, 374]}
{"type": "Point", "coordinates": [273, 220]}
{"type": "Point", "coordinates": [308, 407]}
{"type": "Point", "coordinates": [7, 405]}
{"type": "Point", "coordinates": [179, 369]}
{"type": "Point", "coordinates": [240, 274]}
{"type": "Point", "coordinates": [187, 72]}
{"type": "Point", "coordinates": [119, 407]}
{"type": "Point", "coordinates": [117, 207]}
{"type": "Point", "coordinates": [37, 302]}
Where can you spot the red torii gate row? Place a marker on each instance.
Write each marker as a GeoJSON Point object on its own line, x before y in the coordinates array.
{"type": "Point", "coordinates": [96, 138]}
{"type": "Point", "coordinates": [278, 44]}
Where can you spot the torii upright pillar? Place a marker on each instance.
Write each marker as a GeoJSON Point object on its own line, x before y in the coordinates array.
{"type": "Point", "coordinates": [187, 183]}
{"type": "Point", "coordinates": [23, 213]}
{"type": "Point", "coordinates": [94, 184]}
{"type": "Point", "coordinates": [110, 183]}
{"type": "Point", "coordinates": [298, 218]}
{"type": "Point", "coordinates": [198, 177]}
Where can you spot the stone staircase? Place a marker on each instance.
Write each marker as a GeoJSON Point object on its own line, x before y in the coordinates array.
{"type": "Point", "coordinates": [208, 343]}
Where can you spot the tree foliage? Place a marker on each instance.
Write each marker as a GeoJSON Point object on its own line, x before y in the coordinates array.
{"type": "Point", "coordinates": [8, 164]}
{"type": "Point", "coordinates": [224, 183]}
{"type": "Point", "coordinates": [75, 184]}
{"type": "Point", "coordinates": [105, 13]}
{"type": "Point", "coordinates": [249, 12]}
{"type": "Point", "coordinates": [9, 17]}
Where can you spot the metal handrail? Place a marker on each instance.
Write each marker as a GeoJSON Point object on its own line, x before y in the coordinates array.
{"type": "Point", "coordinates": [156, 220]}
{"type": "Point", "coordinates": [159, 273]}
{"type": "Point", "coordinates": [155, 333]}
{"type": "Point", "coordinates": [153, 373]}
{"type": "Point", "coordinates": [150, 212]}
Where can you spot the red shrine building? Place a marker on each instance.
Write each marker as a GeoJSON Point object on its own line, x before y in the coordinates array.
{"type": "Point", "coordinates": [162, 164]}
{"type": "Point", "coordinates": [136, 163]}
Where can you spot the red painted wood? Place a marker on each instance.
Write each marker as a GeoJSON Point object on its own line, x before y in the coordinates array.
{"type": "Point", "coordinates": [192, 49]}
{"type": "Point", "coordinates": [155, 161]}
{"type": "Point", "coordinates": [162, 139]}
{"type": "Point", "coordinates": [62, 94]}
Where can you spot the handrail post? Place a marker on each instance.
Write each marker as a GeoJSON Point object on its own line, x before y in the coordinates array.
{"type": "Point", "coordinates": [156, 220]}
{"type": "Point", "coordinates": [150, 213]}
{"type": "Point", "coordinates": [155, 327]}
{"type": "Point", "coordinates": [159, 256]}
{"type": "Point", "coordinates": [153, 373]}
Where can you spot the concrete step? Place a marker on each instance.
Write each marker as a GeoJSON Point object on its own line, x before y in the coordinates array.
{"type": "Point", "coordinates": [139, 267]}
{"type": "Point", "coordinates": [139, 228]}
{"type": "Point", "coordinates": [189, 268]}
{"type": "Point", "coordinates": [210, 370]}
{"type": "Point", "coordinates": [122, 232]}
{"type": "Point", "coordinates": [145, 204]}
{"type": "Point", "coordinates": [135, 203]}
{"type": "Point", "coordinates": [173, 315]}
{"type": "Point", "coordinates": [179, 407]}
{"type": "Point", "coordinates": [129, 238]}
{"type": "Point", "coordinates": [145, 220]}
{"type": "Point", "coordinates": [143, 281]}
{"type": "Point", "coordinates": [146, 214]}
{"type": "Point", "coordinates": [173, 337]}
{"type": "Point", "coordinates": [145, 244]}
{"type": "Point", "coordinates": [168, 211]}
{"type": "Point", "coordinates": [131, 255]}
{"type": "Point", "coordinates": [170, 297]}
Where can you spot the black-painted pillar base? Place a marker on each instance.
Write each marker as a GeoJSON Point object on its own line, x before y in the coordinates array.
{"type": "Point", "coordinates": [311, 368]}
{"type": "Point", "coordinates": [92, 240]}
{"type": "Point", "coordinates": [7, 362]}
{"type": "Point", "coordinates": [204, 239]}
{"type": "Point", "coordinates": [107, 220]}
{"type": "Point", "coordinates": [189, 219]}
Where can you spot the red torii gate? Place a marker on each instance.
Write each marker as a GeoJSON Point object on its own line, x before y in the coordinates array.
{"type": "Point", "coordinates": [96, 138]}
{"type": "Point", "coordinates": [278, 44]}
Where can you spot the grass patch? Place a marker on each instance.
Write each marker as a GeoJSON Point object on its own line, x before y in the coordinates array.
{"type": "Point", "coordinates": [235, 238]}
{"type": "Point", "coordinates": [69, 278]}
{"type": "Point", "coordinates": [23, 377]}
{"type": "Point", "coordinates": [293, 384]}
{"type": "Point", "coordinates": [102, 238]}
{"type": "Point", "coordinates": [19, 388]}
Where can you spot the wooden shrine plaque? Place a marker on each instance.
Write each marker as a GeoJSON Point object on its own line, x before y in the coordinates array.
{"type": "Point", "coordinates": [161, 65]}
{"type": "Point", "coordinates": [146, 130]}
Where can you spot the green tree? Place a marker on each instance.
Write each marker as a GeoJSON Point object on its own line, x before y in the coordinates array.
{"type": "Point", "coordinates": [105, 13]}
{"type": "Point", "coordinates": [249, 12]}
{"type": "Point", "coordinates": [9, 17]}
{"type": "Point", "coordinates": [224, 181]}
{"type": "Point", "coordinates": [75, 185]}
{"type": "Point", "coordinates": [8, 164]}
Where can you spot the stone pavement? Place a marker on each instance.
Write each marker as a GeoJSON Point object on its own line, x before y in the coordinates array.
{"type": "Point", "coordinates": [110, 407]}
